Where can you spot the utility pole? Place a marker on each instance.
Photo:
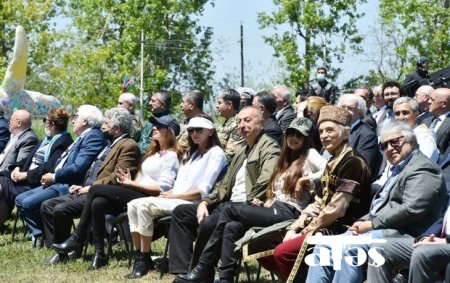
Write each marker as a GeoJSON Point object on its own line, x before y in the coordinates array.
{"type": "Point", "coordinates": [242, 55]}
{"type": "Point", "coordinates": [142, 73]}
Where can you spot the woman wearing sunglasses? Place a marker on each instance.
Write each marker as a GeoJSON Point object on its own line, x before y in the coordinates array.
{"type": "Point", "coordinates": [200, 168]}
{"type": "Point", "coordinates": [342, 199]}
{"type": "Point", "coordinates": [288, 192]}
{"type": "Point", "coordinates": [156, 176]}
{"type": "Point", "coordinates": [40, 161]}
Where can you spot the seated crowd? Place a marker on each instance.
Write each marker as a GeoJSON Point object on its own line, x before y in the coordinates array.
{"type": "Point", "coordinates": [372, 163]}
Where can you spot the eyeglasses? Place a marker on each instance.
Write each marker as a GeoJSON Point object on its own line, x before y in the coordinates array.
{"type": "Point", "coordinates": [197, 130]}
{"type": "Point", "coordinates": [393, 142]}
{"type": "Point", "coordinates": [391, 94]}
{"type": "Point", "coordinates": [74, 116]}
{"type": "Point", "coordinates": [403, 112]}
{"type": "Point", "coordinates": [45, 120]}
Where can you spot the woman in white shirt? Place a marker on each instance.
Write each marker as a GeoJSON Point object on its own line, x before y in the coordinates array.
{"type": "Point", "coordinates": [156, 176]}
{"type": "Point", "coordinates": [288, 192]}
{"type": "Point", "coordinates": [200, 168]}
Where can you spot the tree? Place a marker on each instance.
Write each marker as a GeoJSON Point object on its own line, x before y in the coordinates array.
{"type": "Point", "coordinates": [321, 28]}
{"type": "Point", "coordinates": [426, 26]}
{"type": "Point", "coordinates": [103, 46]}
{"type": "Point", "coordinates": [36, 17]}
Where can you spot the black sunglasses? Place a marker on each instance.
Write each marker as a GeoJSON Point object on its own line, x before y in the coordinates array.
{"type": "Point", "coordinates": [197, 130]}
{"type": "Point", "coordinates": [293, 133]}
{"type": "Point", "coordinates": [393, 142]}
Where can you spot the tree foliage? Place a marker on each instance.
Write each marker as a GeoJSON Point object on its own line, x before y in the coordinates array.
{"type": "Point", "coordinates": [307, 30]}
{"type": "Point", "coordinates": [426, 26]}
{"type": "Point", "coordinates": [81, 50]}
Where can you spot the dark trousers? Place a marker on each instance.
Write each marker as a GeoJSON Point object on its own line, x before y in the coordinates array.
{"type": "Point", "coordinates": [184, 230]}
{"type": "Point", "coordinates": [233, 222]}
{"type": "Point", "coordinates": [57, 216]}
{"type": "Point", "coordinates": [101, 200]}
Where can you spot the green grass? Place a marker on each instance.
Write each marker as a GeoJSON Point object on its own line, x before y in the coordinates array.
{"type": "Point", "coordinates": [19, 262]}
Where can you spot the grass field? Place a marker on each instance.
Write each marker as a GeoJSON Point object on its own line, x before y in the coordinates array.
{"type": "Point", "coordinates": [19, 262]}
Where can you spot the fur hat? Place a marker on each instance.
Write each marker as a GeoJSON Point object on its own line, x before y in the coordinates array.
{"type": "Point", "coordinates": [335, 114]}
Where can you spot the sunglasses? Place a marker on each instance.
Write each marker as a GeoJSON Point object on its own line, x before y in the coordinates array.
{"type": "Point", "coordinates": [197, 130]}
{"type": "Point", "coordinates": [294, 133]}
{"type": "Point", "coordinates": [45, 120]}
{"type": "Point", "coordinates": [393, 142]}
{"type": "Point", "coordinates": [161, 127]}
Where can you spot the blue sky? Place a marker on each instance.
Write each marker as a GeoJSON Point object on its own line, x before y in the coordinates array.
{"type": "Point", "coordinates": [225, 18]}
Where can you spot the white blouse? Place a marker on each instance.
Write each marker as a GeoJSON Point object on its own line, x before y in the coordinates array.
{"type": "Point", "coordinates": [201, 171]}
{"type": "Point", "coordinates": [159, 169]}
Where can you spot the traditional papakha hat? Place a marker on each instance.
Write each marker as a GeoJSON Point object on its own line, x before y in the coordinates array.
{"type": "Point", "coordinates": [335, 114]}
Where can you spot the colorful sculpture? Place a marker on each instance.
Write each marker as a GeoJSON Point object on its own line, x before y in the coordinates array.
{"type": "Point", "coordinates": [12, 94]}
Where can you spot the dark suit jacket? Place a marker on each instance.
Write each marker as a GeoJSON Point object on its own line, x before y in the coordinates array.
{"type": "Point", "coordinates": [80, 158]}
{"type": "Point", "coordinates": [422, 117]}
{"type": "Point", "coordinates": [285, 118]}
{"type": "Point", "coordinates": [4, 133]}
{"type": "Point", "coordinates": [370, 121]}
{"type": "Point", "coordinates": [58, 147]}
{"type": "Point", "coordinates": [436, 228]}
{"type": "Point", "coordinates": [19, 152]}
{"type": "Point", "coordinates": [273, 130]}
{"type": "Point", "coordinates": [125, 155]}
{"type": "Point", "coordinates": [364, 140]}
{"type": "Point", "coordinates": [442, 135]}
{"type": "Point", "coordinates": [414, 201]}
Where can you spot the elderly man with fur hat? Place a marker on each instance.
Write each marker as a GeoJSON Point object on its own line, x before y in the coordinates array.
{"type": "Point", "coordinates": [343, 197]}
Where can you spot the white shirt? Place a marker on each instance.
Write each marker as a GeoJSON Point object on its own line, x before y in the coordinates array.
{"type": "Point", "coordinates": [200, 172]}
{"type": "Point", "coordinates": [427, 142]}
{"type": "Point", "coordinates": [441, 119]}
{"type": "Point", "coordinates": [159, 169]}
{"type": "Point", "coordinates": [238, 193]}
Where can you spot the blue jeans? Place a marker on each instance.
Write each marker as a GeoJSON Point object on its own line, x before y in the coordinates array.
{"type": "Point", "coordinates": [348, 273]}
{"type": "Point", "coordinates": [29, 204]}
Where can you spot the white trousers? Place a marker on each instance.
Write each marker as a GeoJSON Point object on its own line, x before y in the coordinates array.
{"type": "Point", "coordinates": [143, 211]}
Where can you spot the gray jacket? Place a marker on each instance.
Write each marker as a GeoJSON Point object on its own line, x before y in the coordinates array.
{"type": "Point", "coordinates": [18, 153]}
{"type": "Point", "coordinates": [414, 201]}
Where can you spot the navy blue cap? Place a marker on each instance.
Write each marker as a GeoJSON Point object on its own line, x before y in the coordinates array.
{"type": "Point", "coordinates": [168, 121]}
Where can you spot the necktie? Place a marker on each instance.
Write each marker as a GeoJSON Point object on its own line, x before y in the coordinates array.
{"type": "Point", "coordinates": [62, 159]}
{"type": "Point", "coordinates": [434, 123]}
{"type": "Point", "coordinates": [95, 167]}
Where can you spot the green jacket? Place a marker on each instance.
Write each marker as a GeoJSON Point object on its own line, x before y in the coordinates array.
{"type": "Point", "coordinates": [261, 161]}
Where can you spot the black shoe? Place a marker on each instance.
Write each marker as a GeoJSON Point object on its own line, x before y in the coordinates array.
{"type": "Point", "coordinates": [199, 274]}
{"type": "Point", "coordinates": [99, 260]}
{"type": "Point", "coordinates": [143, 265]}
{"type": "Point", "coordinates": [57, 258]}
{"type": "Point", "coordinates": [136, 258]}
{"type": "Point", "coordinates": [73, 255]}
{"type": "Point", "coordinates": [71, 244]}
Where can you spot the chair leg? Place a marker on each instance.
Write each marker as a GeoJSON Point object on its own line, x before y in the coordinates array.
{"type": "Point", "coordinates": [166, 249]}
{"type": "Point", "coordinates": [16, 218]}
{"type": "Point", "coordinates": [238, 271]}
{"type": "Point", "coordinates": [127, 247]}
{"type": "Point", "coordinates": [258, 273]}
{"type": "Point", "coordinates": [110, 241]}
{"type": "Point", "coordinates": [249, 277]}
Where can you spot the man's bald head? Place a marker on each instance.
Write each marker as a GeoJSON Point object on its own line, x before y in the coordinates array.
{"type": "Point", "coordinates": [20, 120]}
{"type": "Point", "coordinates": [440, 101]}
{"type": "Point", "coordinates": [250, 122]}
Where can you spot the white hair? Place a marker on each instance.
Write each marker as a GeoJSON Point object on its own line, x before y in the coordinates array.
{"type": "Point", "coordinates": [91, 114]}
{"type": "Point", "coordinates": [353, 97]}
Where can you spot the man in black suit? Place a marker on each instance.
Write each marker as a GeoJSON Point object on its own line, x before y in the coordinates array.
{"type": "Point", "coordinates": [367, 94]}
{"type": "Point", "coordinates": [284, 111]}
{"type": "Point", "coordinates": [422, 97]}
{"type": "Point", "coordinates": [363, 138]}
{"type": "Point", "coordinates": [4, 131]}
{"type": "Point", "coordinates": [266, 103]}
{"type": "Point", "coordinates": [440, 123]}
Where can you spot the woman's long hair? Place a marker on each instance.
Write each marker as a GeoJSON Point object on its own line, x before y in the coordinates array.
{"type": "Point", "coordinates": [212, 141]}
{"type": "Point", "coordinates": [172, 144]}
{"type": "Point", "coordinates": [287, 157]}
